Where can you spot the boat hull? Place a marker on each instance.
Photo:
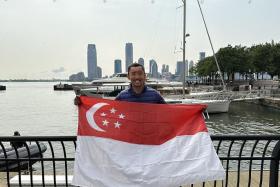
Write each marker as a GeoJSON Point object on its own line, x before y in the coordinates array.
{"type": "Point", "coordinates": [33, 151]}
{"type": "Point", "coordinates": [214, 106]}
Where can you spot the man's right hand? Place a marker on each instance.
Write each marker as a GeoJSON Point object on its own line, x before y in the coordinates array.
{"type": "Point", "coordinates": [77, 101]}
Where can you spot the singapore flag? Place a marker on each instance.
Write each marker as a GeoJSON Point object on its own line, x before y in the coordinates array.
{"type": "Point", "coordinates": [125, 144]}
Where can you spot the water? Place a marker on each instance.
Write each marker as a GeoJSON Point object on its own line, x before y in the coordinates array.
{"type": "Point", "coordinates": [246, 118]}
{"type": "Point", "coordinates": [34, 108]}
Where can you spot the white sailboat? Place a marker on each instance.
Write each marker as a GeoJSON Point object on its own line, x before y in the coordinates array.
{"type": "Point", "coordinates": [214, 105]}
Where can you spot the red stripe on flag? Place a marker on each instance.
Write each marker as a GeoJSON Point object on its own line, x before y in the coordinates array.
{"type": "Point", "coordinates": [138, 123]}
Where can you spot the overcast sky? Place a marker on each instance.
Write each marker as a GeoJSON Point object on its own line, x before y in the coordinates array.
{"type": "Point", "coordinates": [48, 39]}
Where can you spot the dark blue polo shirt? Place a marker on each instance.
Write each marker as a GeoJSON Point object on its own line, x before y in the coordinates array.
{"type": "Point", "coordinates": [149, 95]}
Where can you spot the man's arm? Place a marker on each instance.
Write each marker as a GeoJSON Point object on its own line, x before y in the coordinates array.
{"type": "Point", "coordinates": [77, 101]}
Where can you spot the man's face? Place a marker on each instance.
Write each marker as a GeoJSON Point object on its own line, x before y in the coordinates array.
{"type": "Point", "coordinates": [137, 76]}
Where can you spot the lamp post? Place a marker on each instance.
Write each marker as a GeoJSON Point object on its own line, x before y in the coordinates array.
{"type": "Point", "coordinates": [184, 48]}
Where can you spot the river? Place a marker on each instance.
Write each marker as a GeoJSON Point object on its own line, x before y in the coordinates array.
{"type": "Point", "coordinates": [34, 108]}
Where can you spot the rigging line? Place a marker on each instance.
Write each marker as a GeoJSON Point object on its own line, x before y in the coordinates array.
{"type": "Point", "coordinates": [219, 70]}
{"type": "Point", "coordinates": [148, 50]}
{"type": "Point", "coordinates": [177, 33]}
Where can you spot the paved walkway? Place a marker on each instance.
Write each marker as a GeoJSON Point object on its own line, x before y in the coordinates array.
{"type": "Point", "coordinates": [255, 180]}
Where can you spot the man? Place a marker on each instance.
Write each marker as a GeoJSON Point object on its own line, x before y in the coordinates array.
{"type": "Point", "coordinates": [138, 91]}
{"type": "Point", "coordinates": [17, 144]}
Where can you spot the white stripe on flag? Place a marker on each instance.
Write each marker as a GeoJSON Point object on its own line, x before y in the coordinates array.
{"type": "Point", "coordinates": [180, 161]}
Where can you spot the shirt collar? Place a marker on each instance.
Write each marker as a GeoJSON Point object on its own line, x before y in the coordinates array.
{"type": "Point", "coordinates": [132, 91]}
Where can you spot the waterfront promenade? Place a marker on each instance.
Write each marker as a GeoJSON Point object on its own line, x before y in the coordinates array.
{"type": "Point", "coordinates": [232, 181]}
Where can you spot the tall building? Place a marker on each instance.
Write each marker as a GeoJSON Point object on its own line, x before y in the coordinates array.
{"type": "Point", "coordinates": [141, 61]}
{"type": "Point", "coordinates": [190, 67]}
{"type": "Point", "coordinates": [150, 65]}
{"type": "Point", "coordinates": [167, 68]}
{"type": "Point", "coordinates": [128, 55]}
{"type": "Point", "coordinates": [153, 68]}
{"type": "Point", "coordinates": [163, 69]}
{"type": "Point", "coordinates": [180, 68]}
{"type": "Point", "coordinates": [91, 62]}
{"type": "Point", "coordinates": [99, 72]}
{"type": "Point", "coordinates": [201, 55]}
{"type": "Point", "coordinates": [118, 66]}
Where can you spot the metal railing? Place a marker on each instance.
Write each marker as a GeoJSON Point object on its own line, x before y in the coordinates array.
{"type": "Point", "coordinates": [249, 160]}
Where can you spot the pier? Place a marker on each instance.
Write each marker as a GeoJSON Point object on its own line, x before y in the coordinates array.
{"type": "Point", "coordinates": [62, 87]}
{"type": "Point", "coordinates": [269, 98]}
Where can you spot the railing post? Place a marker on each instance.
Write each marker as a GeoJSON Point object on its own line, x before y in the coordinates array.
{"type": "Point", "coordinates": [274, 166]}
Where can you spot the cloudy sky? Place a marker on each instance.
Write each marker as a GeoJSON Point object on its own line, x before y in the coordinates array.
{"type": "Point", "coordinates": [48, 38]}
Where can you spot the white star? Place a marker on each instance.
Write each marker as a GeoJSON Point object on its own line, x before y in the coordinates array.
{"type": "Point", "coordinates": [113, 111]}
{"type": "Point", "coordinates": [121, 116]}
{"type": "Point", "coordinates": [103, 114]}
{"type": "Point", "coordinates": [105, 122]}
{"type": "Point", "coordinates": [117, 125]}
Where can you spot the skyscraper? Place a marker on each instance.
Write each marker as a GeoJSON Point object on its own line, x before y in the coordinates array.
{"type": "Point", "coordinates": [153, 68]}
{"type": "Point", "coordinates": [91, 62]}
{"type": "Point", "coordinates": [128, 55]}
{"type": "Point", "coordinates": [118, 66]}
{"type": "Point", "coordinates": [99, 72]}
{"type": "Point", "coordinates": [141, 61]}
{"type": "Point", "coordinates": [163, 69]}
{"type": "Point", "coordinates": [150, 65]}
{"type": "Point", "coordinates": [201, 55]}
{"type": "Point", "coordinates": [167, 68]}
{"type": "Point", "coordinates": [190, 67]}
{"type": "Point", "coordinates": [180, 68]}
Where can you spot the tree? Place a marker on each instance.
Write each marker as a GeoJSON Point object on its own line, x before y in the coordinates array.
{"type": "Point", "coordinates": [274, 60]}
{"type": "Point", "coordinates": [206, 68]}
{"type": "Point", "coordinates": [256, 59]}
{"type": "Point", "coordinates": [234, 59]}
{"type": "Point", "coordinates": [261, 58]}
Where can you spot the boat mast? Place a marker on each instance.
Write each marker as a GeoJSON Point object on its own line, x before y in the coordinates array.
{"type": "Point", "coordinates": [184, 48]}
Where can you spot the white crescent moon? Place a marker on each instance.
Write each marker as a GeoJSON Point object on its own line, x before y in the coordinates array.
{"type": "Point", "coordinates": [90, 113]}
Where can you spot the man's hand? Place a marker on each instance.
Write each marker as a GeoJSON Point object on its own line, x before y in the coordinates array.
{"type": "Point", "coordinates": [77, 101]}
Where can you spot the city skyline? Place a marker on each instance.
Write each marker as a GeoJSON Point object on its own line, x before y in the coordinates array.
{"type": "Point", "coordinates": [48, 39]}
{"type": "Point", "coordinates": [153, 66]}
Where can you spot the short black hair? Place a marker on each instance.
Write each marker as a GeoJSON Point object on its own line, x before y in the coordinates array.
{"type": "Point", "coordinates": [135, 65]}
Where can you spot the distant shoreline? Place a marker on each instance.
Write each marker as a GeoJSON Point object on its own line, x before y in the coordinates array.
{"type": "Point", "coordinates": [35, 80]}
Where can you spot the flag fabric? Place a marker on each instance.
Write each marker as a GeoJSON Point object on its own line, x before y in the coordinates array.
{"type": "Point", "coordinates": [125, 144]}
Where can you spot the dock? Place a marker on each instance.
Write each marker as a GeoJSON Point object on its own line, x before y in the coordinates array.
{"type": "Point", "coordinates": [63, 87]}
{"type": "Point", "coordinates": [273, 102]}
{"type": "Point", "coordinates": [270, 101]}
